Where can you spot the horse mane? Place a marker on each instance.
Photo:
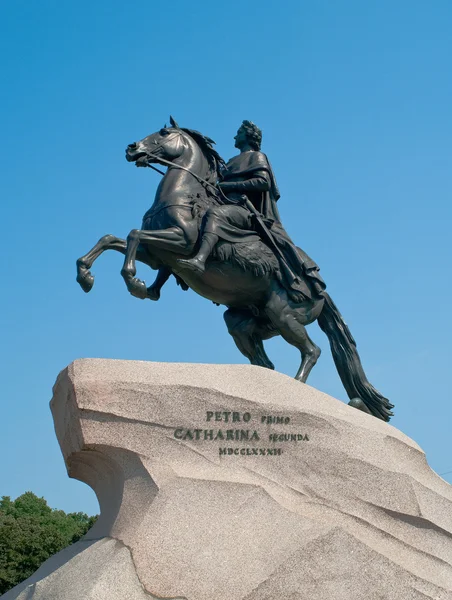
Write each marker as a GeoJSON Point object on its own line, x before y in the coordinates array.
{"type": "Point", "coordinates": [206, 144]}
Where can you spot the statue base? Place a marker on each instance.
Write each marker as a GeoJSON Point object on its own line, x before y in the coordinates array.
{"type": "Point", "coordinates": [233, 482]}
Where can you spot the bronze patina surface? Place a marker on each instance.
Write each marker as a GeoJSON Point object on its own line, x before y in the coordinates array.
{"type": "Point", "coordinates": [216, 227]}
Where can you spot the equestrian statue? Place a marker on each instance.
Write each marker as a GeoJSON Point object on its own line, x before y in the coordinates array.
{"type": "Point", "coordinates": [216, 228]}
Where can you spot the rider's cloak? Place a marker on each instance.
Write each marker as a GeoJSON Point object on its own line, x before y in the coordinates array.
{"type": "Point", "coordinates": [252, 175]}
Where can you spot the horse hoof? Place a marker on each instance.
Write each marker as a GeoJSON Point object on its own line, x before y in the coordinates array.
{"type": "Point", "coordinates": [153, 293]}
{"type": "Point", "coordinates": [359, 404]}
{"type": "Point", "coordinates": [86, 281]}
{"type": "Point", "coordinates": [137, 288]}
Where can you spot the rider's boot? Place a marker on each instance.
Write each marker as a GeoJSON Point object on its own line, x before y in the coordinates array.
{"type": "Point", "coordinates": [198, 262]}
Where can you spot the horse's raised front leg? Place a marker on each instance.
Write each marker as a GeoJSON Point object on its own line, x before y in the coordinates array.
{"type": "Point", "coordinates": [84, 264]}
{"type": "Point", "coordinates": [107, 242]}
{"type": "Point", "coordinates": [153, 291]}
{"type": "Point", "coordinates": [172, 239]}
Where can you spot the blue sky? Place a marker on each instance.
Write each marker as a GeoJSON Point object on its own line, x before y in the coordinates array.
{"type": "Point", "coordinates": [354, 101]}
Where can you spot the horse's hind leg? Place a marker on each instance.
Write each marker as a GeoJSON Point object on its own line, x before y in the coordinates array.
{"type": "Point", "coordinates": [289, 320]}
{"type": "Point", "coordinates": [246, 332]}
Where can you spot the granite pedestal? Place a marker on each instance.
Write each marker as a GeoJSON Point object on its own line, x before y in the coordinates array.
{"type": "Point", "coordinates": [233, 482]}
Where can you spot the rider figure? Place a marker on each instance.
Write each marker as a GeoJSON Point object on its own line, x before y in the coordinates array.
{"type": "Point", "coordinates": [249, 176]}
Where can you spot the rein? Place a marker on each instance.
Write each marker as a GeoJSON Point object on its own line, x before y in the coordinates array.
{"type": "Point", "coordinates": [197, 177]}
{"type": "Point", "coordinates": [175, 166]}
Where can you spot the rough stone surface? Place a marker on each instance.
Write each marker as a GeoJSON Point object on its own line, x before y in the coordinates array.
{"type": "Point", "coordinates": [353, 512]}
{"type": "Point", "coordinates": [88, 570]}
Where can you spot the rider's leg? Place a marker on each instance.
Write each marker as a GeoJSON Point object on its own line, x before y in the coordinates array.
{"type": "Point", "coordinates": [198, 262]}
{"type": "Point", "coordinates": [218, 220]}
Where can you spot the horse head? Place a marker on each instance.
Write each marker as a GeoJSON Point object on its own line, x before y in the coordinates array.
{"type": "Point", "coordinates": [170, 143]}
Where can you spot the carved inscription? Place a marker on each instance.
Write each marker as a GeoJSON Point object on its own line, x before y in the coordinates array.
{"type": "Point", "coordinates": [228, 426]}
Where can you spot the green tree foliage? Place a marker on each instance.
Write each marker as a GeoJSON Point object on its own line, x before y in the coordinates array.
{"type": "Point", "coordinates": [30, 532]}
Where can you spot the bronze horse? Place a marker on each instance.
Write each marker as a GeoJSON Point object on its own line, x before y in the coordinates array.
{"type": "Point", "coordinates": [243, 277]}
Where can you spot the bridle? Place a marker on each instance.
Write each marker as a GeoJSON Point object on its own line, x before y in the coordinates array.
{"type": "Point", "coordinates": [168, 163]}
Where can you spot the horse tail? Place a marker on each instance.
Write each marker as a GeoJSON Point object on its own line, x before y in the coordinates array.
{"type": "Point", "coordinates": [348, 363]}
